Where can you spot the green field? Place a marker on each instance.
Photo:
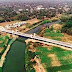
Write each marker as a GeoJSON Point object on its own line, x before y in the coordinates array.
{"type": "Point", "coordinates": [64, 58]}
{"type": "Point", "coordinates": [54, 35]}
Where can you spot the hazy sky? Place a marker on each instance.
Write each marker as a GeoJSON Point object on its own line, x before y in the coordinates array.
{"type": "Point", "coordinates": [34, 0]}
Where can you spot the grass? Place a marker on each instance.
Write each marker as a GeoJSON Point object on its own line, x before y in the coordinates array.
{"type": "Point", "coordinates": [28, 56]}
{"type": "Point", "coordinates": [5, 40]}
{"type": "Point", "coordinates": [54, 35]}
{"type": "Point", "coordinates": [51, 33]}
{"type": "Point", "coordinates": [62, 55]}
{"type": "Point", "coordinates": [0, 69]}
{"type": "Point", "coordinates": [45, 21]}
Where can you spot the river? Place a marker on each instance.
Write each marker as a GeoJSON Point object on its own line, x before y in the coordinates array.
{"type": "Point", "coordinates": [15, 57]}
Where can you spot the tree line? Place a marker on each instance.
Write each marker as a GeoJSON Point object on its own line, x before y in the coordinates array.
{"type": "Point", "coordinates": [67, 27]}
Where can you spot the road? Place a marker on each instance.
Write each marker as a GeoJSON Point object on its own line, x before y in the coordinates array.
{"type": "Point", "coordinates": [65, 44]}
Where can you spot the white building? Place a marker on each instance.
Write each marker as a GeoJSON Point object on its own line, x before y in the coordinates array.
{"type": "Point", "coordinates": [40, 7]}
{"type": "Point", "coordinates": [14, 25]}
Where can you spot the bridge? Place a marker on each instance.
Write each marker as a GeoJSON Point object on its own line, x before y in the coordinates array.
{"type": "Point", "coordinates": [64, 44]}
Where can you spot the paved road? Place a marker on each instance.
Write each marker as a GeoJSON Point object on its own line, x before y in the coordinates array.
{"type": "Point", "coordinates": [39, 38]}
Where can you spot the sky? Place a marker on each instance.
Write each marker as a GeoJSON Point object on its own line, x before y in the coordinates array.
{"type": "Point", "coordinates": [34, 0]}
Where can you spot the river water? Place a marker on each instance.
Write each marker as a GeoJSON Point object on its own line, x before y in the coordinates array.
{"type": "Point", "coordinates": [15, 57]}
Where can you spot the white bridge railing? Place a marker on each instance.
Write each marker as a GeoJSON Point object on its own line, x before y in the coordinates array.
{"type": "Point", "coordinates": [65, 44]}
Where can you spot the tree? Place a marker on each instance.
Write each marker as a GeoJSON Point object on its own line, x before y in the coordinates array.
{"type": "Point", "coordinates": [68, 24]}
{"type": "Point", "coordinates": [64, 19]}
{"type": "Point", "coordinates": [69, 31]}
{"type": "Point", "coordinates": [22, 17]}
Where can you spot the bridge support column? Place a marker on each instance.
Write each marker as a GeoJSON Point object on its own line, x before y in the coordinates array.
{"type": "Point", "coordinates": [34, 34]}
{"type": "Point", "coordinates": [31, 35]}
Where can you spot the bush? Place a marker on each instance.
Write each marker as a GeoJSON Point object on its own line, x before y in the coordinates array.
{"type": "Point", "coordinates": [67, 28]}
{"type": "Point", "coordinates": [64, 19]}
{"type": "Point", "coordinates": [69, 31]}
{"type": "Point", "coordinates": [45, 21]}
{"type": "Point", "coordinates": [2, 20]}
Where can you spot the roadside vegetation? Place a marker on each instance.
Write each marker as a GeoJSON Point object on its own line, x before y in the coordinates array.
{"type": "Point", "coordinates": [53, 34]}
{"type": "Point", "coordinates": [51, 58]}
{"type": "Point", "coordinates": [67, 24]}
{"type": "Point", "coordinates": [61, 31]}
{"type": "Point", "coordinates": [28, 56]}
{"type": "Point", "coordinates": [39, 23]}
{"type": "Point", "coordinates": [50, 33]}
{"type": "Point", "coordinates": [4, 40]}
{"type": "Point", "coordinates": [45, 21]}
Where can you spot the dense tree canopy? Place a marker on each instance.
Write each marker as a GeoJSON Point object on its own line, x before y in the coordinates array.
{"type": "Point", "coordinates": [67, 28]}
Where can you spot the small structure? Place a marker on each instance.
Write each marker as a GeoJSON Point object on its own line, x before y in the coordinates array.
{"type": "Point", "coordinates": [14, 25]}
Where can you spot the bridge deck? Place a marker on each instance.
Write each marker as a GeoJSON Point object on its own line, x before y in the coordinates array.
{"type": "Point", "coordinates": [65, 44]}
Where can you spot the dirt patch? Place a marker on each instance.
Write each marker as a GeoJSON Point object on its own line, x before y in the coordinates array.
{"type": "Point", "coordinates": [26, 29]}
{"type": "Point", "coordinates": [1, 41]}
{"type": "Point", "coordinates": [38, 67]}
{"type": "Point", "coordinates": [66, 38]}
{"type": "Point", "coordinates": [50, 47]}
{"type": "Point", "coordinates": [64, 58]}
{"type": "Point", "coordinates": [23, 27]}
{"type": "Point", "coordinates": [70, 56]}
{"type": "Point", "coordinates": [32, 21]}
{"type": "Point", "coordinates": [56, 26]}
{"type": "Point", "coordinates": [1, 49]}
{"type": "Point", "coordinates": [7, 23]}
{"type": "Point", "coordinates": [55, 61]}
{"type": "Point", "coordinates": [53, 18]}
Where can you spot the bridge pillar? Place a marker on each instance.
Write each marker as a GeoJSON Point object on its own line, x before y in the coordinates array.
{"type": "Point", "coordinates": [34, 34]}
{"type": "Point", "coordinates": [31, 35]}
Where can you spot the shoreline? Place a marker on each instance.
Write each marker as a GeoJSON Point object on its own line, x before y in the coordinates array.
{"type": "Point", "coordinates": [3, 57]}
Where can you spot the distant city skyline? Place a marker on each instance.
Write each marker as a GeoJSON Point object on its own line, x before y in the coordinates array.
{"type": "Point", "coordinates": [33, 0]}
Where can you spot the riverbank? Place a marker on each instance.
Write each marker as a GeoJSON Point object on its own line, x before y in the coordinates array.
{"type": "Point", "coordinates": [15, 60]}
{"type": "Point", "coordinates": [34, 26]}
{"type": "Point", "coordinates": [37, 24]}
{"type": "Point", "coordinates": [5, 53]}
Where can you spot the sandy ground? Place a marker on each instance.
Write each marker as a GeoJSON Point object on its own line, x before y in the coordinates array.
{"type": "Point", "coordinates": [50, 47]}
{"type": "Point", "coordinates": [54, 61]}
{"type": "Point", "coordinates": [22, 27]}
{"type": "Point", "coordinates": [1, 49]}
{"type": "Point", "coordinates": [32, 21]}
{"type": "Point", "coordinates": [1, 41]}
{"type": "Point", "coordinates": [56, 26]}
{"type": "Point", "coordinates": [7, 23]}
{"type": "Point", "coordinates": [67, 38]}
{"type": "Point", "coordinates": [38, 67]}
